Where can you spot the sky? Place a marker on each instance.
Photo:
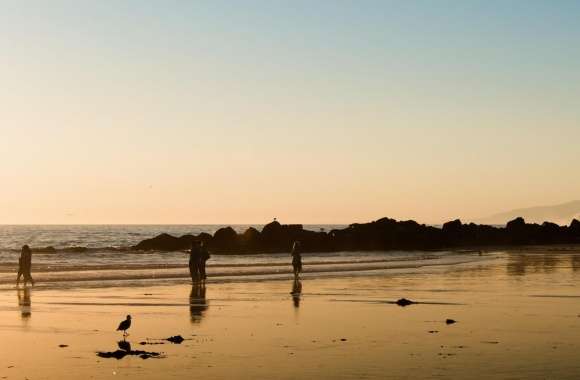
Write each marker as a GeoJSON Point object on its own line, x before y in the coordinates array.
{"type": "Point", "coordinates": [154, 112]}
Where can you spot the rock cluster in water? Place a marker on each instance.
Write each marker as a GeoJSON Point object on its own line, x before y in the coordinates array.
{"type": "Point", "coordinates": [383, 234]}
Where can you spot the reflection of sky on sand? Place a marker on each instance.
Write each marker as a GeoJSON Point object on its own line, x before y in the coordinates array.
{"type": "Point", "coordinates": [517, 318]}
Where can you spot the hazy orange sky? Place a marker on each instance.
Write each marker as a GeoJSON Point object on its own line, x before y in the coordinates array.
{"type": "Point", "coordinates": [311, 112]}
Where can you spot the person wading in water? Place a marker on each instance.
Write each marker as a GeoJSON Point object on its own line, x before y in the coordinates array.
{"type": "Point", "coordinates": [194, 260]}
{"type": "Point", "coordinates": [296, 259]}
{"type": "Point", "coordinates": [25, 266]}
{"type": "Point", "coordinates": [203, 258]}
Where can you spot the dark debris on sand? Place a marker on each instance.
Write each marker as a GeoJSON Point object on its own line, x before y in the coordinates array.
{"type": "Point", "coordinates": [125, 349]}
{"type": "Point", "coordinates": [177, 339]}
{"type": "Point", "coordinates": [404, 302]}
{"type": "Point", "coordinates": [450, 321]}
{"type": "Point", "coordinates": [120, 354]}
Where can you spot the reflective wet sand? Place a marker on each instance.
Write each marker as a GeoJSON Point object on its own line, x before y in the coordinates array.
{"type": "Point", "coordinates": [517, 317]}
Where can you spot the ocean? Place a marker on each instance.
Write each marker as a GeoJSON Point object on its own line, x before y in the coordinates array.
{"type": "Point", "coordinates": [100, 255]}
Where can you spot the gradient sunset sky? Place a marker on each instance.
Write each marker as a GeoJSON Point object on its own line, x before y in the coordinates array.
{"type": "Point", "coordinates": [308, 111]}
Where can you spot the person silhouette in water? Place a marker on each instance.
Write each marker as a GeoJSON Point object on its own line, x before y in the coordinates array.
{"type": "Point", "coordinates": [25, 266]}
{"type": "Point", "coordinates": [194, 260]}
{"type": "Point", "coordinates": [296, 259]}
{"type": "Point", "coordinates": [203, 258]}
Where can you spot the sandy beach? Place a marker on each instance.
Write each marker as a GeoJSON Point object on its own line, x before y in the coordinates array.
{"type": "Point", "coordinates": [372, 190]}
{"type": "Point", "coordinates": [517, 316]}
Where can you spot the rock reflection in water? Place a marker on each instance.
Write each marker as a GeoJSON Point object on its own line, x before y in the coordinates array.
{"type": "Point", "coordinates": [520, 264]}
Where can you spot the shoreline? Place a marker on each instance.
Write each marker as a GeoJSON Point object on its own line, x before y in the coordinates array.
{"type": "Point", "coordinates": [226, 268]}
{"type": "Point", "coordinates": [322, 265]}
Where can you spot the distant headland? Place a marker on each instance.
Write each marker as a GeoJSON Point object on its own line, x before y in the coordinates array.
{"type": "Point", "coordinates": [382, 234]}
{"type": "Point", "coordinates": [560, 213]}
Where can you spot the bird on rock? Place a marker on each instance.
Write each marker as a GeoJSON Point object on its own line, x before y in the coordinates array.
{"type": "Point", "coordinates": [124, 326]}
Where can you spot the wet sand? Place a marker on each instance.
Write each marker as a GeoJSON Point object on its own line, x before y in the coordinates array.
{"type": "Point", "coordinates": [517, 317]}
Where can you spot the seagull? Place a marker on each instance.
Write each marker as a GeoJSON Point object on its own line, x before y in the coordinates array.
{"type": "Point", "coordinates": [124, 326]}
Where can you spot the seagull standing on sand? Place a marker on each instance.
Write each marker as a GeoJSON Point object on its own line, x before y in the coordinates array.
{"type": "Point", "coordinates": [124, 326]}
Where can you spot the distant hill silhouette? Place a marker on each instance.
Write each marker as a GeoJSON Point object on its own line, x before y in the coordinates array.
{"type": "Point", "coordinates": [560, 214]}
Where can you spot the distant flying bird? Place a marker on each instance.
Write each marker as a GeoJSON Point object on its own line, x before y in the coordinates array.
{"type": "Point", "coordinates": [124, 326]}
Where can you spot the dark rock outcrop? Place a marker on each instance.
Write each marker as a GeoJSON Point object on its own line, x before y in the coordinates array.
{"type": "Point", "coordinates": [166, 242]}
{"type": "Point", "coordinates": [382, 234]}
{"type": "Point", "coordinates": [224, 240]}
{"type": "Point", "coordinates": [250, 239]}
{"type": "Point", "coordinates": [574, 231]}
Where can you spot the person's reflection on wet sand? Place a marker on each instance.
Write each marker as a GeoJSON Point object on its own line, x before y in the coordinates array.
{"type": "Point", "coordinates": [296, 292]}
{"type": "Point", "coordinates": [24, 303]}
{"type": "Point", "coordinates": [198, 304]}
{"type": "Point", "coordinates": [575, 262]}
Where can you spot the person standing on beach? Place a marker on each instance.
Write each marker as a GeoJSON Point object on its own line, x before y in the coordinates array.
{"type": "Point", "coordinates": [25, 266]}
{"type": "Point", "coordinates": [296, 259]}
{"type": "Point", "coordinates": [203, 258]}
{"type": "Point", "coordinates": [194, 260]}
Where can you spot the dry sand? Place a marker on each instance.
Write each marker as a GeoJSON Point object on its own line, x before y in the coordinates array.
{"type": "Point", "coordinates": [517, 317]}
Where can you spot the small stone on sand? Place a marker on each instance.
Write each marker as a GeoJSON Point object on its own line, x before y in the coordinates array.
{"type": "Point", "coordinates": [404, 302]}
{"type": "Point", "coordinates": [177, 339]}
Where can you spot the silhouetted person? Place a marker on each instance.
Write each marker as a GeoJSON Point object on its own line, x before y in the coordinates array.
{"type": "Point", "coordinates": [24, 303]}
{"type": "Point", "coordinates": [296, 292]}
{"type": "Point", "coordinates": [296, 259]}
{"type": "Point", "coordinates": [194, 261]}
{"type": "Point", "coordinates": [203, 258]}
{"type": "Point", "coordinates": [198, 304]}
{"type": "Point", "coordinates": [25, 266]}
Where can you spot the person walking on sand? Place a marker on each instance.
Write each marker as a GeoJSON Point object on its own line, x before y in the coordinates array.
{"type": "Point", "coordinates": [194, 259]}
{"type": "Point", "coordinates": [25, 266]}
{"type": "Point", "coordinates": [203, 258]}
{"type": "Point", "coordinates": [296, 259]}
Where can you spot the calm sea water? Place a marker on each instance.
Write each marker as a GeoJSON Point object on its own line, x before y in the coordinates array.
{"type": "Point", "coordinates": [102, 236]}
{"type": "Point", "coordinates": [104, 265]}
